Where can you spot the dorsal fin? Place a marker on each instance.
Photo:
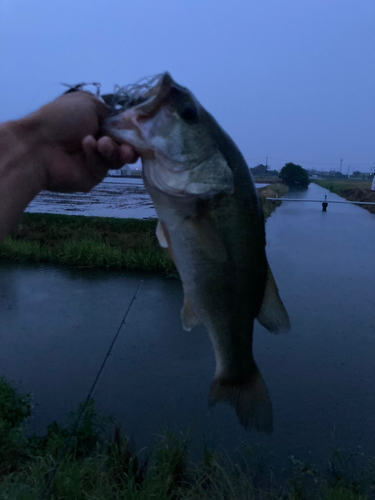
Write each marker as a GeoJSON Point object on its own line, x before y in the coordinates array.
{"type": "Point", "coordinates": [273, 315]}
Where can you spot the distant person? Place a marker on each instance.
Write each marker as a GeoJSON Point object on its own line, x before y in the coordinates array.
{"type": "Point", "coordinates": [55, 149]}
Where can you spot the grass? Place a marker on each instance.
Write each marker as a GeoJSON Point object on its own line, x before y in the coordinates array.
{"type": "Point", "coordinates": [99, 466]}
{"type": "Point", "coordinates": [267, 180]}
{"type": "Point", "coordinates": [273, 191]}
{"type": "Point", "coordinates": [352, 190]}
{"type": "Point", "coordinates": [340, 186]}
{"type": "Point", "coordinates": [87, 242]}
{"type": "Point", "coordinates": [78, 241]}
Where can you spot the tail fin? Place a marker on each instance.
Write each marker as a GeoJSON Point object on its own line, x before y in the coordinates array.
{"type": "Point", "coordinates": [250, 399]}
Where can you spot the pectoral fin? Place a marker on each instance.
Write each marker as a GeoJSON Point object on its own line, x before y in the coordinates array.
{"type": "Point", "coordinates": [162, 239]}
{"type": "Point", "coordinates": [188, 317]}
{"type": "Point", "coordinates": [273, 315]}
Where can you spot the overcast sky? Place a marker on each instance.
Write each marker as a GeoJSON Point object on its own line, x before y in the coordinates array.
{"type": "Point", "coordinates": [293, 80]}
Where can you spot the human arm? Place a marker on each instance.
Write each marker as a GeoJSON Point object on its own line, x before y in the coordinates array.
{"type": "Point", "coordinates": [55, 149]}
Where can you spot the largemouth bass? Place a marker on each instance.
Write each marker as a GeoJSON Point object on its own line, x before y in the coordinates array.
{"type": "Point", "coordinates": [210, 219]}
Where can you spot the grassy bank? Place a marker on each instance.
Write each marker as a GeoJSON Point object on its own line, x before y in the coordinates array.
{"type": "Point", "coordinates": [273, 191]}
{"type": "Point", "coordinates": [96, 467]}
{"type": "Point", "coordinates": [352, 190]}
{"type": "Point", "coordinates": [267, 180]}
{"type": "Point", "coordinates": [87, 242]}
{"type": "Point", "coordinates": [78, 241]}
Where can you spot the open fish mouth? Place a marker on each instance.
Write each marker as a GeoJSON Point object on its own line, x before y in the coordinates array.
{"type": "Point", "coordinates": [147, 93]}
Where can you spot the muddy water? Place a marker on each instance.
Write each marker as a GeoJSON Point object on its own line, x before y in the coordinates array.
{"type": "Point", "coordinates": [57, 324]}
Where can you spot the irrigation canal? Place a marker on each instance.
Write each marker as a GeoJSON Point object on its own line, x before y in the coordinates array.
{"type": "Point", "coordinates": [56, 326]}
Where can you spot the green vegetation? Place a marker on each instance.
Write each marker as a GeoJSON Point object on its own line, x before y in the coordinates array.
{"type": "Point", "coordinates": [339, 186]}
{"type": "Point", "coordinates": [294, 175]}
{"type": "Point", "coordinates": [97, 467]}
{"type": "Point", "coordinates": [352, 190]}
{"type": "Point", "coordinates": [267, 180]}
{"type": "Point", "coordinates": [272, 191]}
{"type": "Point", "coordinates": [78, 241]}
{"type": "Point", "coordinates": [87, 242]}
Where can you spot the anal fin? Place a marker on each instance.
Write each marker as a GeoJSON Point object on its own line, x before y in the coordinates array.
{"type": "Point", "coordinates": [273, 315]}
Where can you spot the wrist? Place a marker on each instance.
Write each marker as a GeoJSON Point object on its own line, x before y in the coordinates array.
{"type": "Point", "coordinates": [22, 145]}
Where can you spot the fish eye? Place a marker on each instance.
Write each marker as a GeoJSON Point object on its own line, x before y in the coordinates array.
{"type": "Point", "coordinates": [189, 113]}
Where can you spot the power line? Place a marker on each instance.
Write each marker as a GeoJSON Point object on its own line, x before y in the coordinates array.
{"type": "Point", "coordinates": [309, 162]}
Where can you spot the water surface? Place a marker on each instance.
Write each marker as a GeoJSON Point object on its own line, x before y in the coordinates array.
{"type": "Point", "coordinates": [56, 326]}
{"type": "Point", "coordinates": [123, 197]}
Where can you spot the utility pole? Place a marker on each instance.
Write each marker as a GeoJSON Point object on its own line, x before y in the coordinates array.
{"type": "Point", "coordinates": [341, 166]}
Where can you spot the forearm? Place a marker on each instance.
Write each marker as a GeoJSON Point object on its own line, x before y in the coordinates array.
{"type": "Point", "coordinates": [21, 170]}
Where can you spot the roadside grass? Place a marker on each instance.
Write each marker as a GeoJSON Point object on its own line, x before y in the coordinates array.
{"type": "Point", "coordinates": [351, 190]}
{"type": "Point", "coordinates": [78, 241]}
{"type": "Point", "coordinates": [103, 465]}
{"type": "Point", "coordinates": [273, 191]}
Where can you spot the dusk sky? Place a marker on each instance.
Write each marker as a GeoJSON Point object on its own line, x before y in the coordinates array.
{"type": "Point", "coordinates": [293, 80]}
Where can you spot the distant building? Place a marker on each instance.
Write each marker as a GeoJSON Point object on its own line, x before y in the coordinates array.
{"type": "Point", "coordinates": [135, 169]}
{"type": "Point", "coordinates": [260, 170]}
{"type": "Point", "coordinates": [373, 184]}
{"type": "Point", "coordinates": [126, 170]}
{"type": "Point", "coordinates": [114, 173]}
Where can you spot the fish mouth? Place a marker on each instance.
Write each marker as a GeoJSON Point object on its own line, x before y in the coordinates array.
{"type": "Point", "coordinates": [135, 104]}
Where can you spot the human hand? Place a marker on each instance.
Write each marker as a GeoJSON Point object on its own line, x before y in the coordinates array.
{"type": "Point", "coordinates": [65, 131]}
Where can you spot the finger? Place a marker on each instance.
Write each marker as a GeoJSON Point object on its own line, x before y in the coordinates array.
{"type": "Point", "coordinates": [118, 154]}
{"type": "Point", "coordinates": [89, 144]}
{"type": "Point", "coordinates": [128, 154]}
{"type": "Point", "coordinates": [107, 147]}
{"type": "Point", "coordinates": [110, 151]}
{"type": "Point", "coordinates": [97, 166]}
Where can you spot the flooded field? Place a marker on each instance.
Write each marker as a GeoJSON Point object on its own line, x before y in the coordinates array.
{"type": "Point", "coordinates": [114, 197]}
{"type": "Point", "coordinates": [123, 197]}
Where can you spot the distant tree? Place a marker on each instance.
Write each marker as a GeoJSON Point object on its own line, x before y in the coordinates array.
{"type": "Point", "coordinates": [294, 175]}
{"type": "Point", "coordinates": [273, 173]}
{"type": "Point", "coordinates": [340, 175]}
{"type": "Point", "coordinates": [357, 173]}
